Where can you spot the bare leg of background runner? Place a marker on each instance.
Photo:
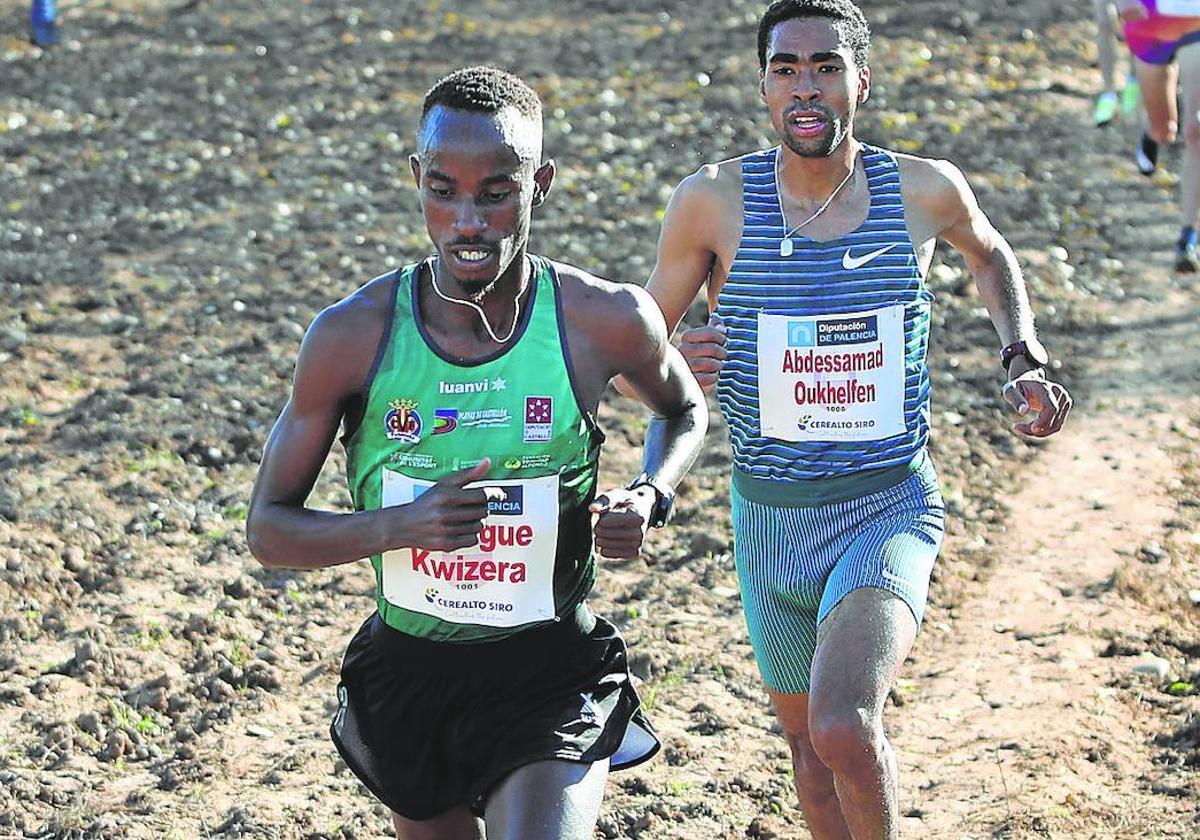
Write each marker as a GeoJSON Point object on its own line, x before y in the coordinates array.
{"type": "Point", "coordinates": [1158, 98]}
{"type": "Point", "coordinates": [1106, 45]}
{"type": "Point", "coordinates": [1189, 82]}
{"type": "Point", "coordinates": [547, 800]}
{"type": "Point", "coordinates": [458, 824]}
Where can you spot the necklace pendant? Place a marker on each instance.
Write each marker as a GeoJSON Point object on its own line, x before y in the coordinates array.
{"type": "Point", "coordinates": [786, 247]}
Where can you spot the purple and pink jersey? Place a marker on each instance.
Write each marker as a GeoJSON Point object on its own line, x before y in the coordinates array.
{"type": "Point", "coordinates": [1170, 25]}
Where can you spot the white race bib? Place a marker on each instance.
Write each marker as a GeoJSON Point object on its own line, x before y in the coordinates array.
{"type": "Point", "coordinates": [504, 580]}
{"type": "Point", "coordinates": [832, 377]}
{"type": "Point", "coordinates": [1179, 8]}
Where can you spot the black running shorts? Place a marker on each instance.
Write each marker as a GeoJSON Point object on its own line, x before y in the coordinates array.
{"type": "Point", "coordinates": [428, 726]}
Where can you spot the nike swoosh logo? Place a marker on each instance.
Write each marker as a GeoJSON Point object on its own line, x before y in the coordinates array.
{"type": "Point", "coordinates": [850, 263]}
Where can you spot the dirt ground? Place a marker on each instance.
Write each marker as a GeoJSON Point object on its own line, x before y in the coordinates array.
{"type": "Point", "coordinates": [181, 189]}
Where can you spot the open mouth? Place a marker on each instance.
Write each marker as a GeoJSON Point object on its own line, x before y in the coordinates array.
{"type": "Point", "coordinates": [471, 256]}
{"type": "Point", "coordinates": [807, 124]}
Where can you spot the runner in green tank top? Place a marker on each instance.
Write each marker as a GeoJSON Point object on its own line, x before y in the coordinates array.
{"type": "Point", "coordinates": [481, 693]}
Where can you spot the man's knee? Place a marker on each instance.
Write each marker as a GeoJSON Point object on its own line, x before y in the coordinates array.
{"type": "Point", "coordinates": [814, 782]}
{"type": "Point", "coordinates": [847, 740]}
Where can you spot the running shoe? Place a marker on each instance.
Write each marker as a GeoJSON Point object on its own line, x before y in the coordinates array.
{"type": "Point", "coordinates": [1147, 155]}
{"type": "Point", "coordinates": [44, 34]}
{"type": "Point", "coordinates": [1131, 94]}
{"type": "Point", "coordinates": [1186, 259]}
{"type": "Point", "coordinates": [1106, 108]}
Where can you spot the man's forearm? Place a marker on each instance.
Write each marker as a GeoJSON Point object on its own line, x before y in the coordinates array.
{"type": "Point", "coordinates": [1002, 287]}
{"type": "Point", "coordinates": [672, 444]}
{"type": "Point", "coordinates": [283, 536]}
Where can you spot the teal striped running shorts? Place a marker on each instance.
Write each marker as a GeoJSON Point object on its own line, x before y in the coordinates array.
{"type": "Point", "coordinates": [795, 562]}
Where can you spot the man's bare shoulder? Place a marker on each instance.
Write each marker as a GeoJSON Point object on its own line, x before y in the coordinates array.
{"type": "Point", "coordinates": [608, 312]}
{"type": "Point", "coordinates": [928, 178]}
{"type": "Point", "coordinates": [342, 340]}
{"type": "Point", "coordinates": [366, 307]}
{"type": "Point", "coordinates": [596, 301]}
{"type": "Point", "coordinates": [717, 182]}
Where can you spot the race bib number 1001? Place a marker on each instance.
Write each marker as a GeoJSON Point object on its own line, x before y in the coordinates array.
{"type": "Point", "coordinates": [832, 377]}
{"type": "Point", "coordinates": [505, 580]}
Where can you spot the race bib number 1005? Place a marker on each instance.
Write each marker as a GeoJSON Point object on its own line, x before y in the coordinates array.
{"type": "Point", "coordinates": [832, 377]}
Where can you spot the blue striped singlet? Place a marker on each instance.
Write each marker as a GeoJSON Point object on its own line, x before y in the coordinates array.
{"type": "Point", "coordinates": [812, 282]}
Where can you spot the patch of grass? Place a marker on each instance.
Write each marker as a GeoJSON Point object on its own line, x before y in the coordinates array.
{"type": "Point", "coordinates": [678, 787]}
{"type": "Point", "coordinates": [153, 460]}
{"type": "Point", "coordinates": [240, 653]}
{"type": "Point", "coordinates": [152, 636]}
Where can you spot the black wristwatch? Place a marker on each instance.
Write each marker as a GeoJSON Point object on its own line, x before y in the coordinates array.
{"type": "Point", "coordinates": [664, 498]}
{"type": "Point", "coordinates": [1030, 348]}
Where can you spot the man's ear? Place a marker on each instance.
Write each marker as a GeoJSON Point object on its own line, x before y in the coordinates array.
{"type": "Point", "coordinates": [542, 179]}
{"type": "Point", "coordinates": [864, 84]}
{"type": "Point", "coordinates": [762, 85]}
{"type": "Point", "coordinates": [415, 165]}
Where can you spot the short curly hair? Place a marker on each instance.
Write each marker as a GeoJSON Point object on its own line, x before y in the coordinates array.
{"type": "Point", "coordinates": [847, 18]}
{"type": "Point", "coordinates": [483, 89]}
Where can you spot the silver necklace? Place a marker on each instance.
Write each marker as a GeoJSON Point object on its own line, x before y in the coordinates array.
{"type": "Point", "coordinates": [479, 309]}
{"type": "Point", "coordinates": [786, 245]}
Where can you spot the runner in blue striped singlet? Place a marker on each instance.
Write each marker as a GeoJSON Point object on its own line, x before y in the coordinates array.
{"type": "Point", "coordinates": [813, 256]}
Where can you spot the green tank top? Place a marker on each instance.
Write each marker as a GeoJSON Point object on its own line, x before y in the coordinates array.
{"type": "Point", "coordinates": [426, 416]}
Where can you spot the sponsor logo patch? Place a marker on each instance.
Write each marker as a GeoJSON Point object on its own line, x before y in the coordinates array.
{"type": "Point", "coordinates": [402, 422]}
{"type": "Point", "coordinates": [513, 503]}
{"type": "Point", "coordinates": [485, 418]}
{"type": "Point", "coordinates": [835, 331]}
{"type": "Point", "coordinates": [479, 386]}
{"type": "Point", "coordinates": [539, 416]}
{"type": "Point", "coordinates": [527, 462]}
{"type": "Point", "coordinates": [801, 333]}
{"type": "Point", "coordinates": [418, 460]}
{"type": "Point", "coordinates": [445, 420]}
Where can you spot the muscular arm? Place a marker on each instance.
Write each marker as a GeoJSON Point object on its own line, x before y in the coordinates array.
{"type": "Point", "coordinates": [949, 203]}
{"type": "Point", "coordinates": [947, 209]}
{"type": "Point", "coordinates": [692, 255]}
{"type": "Point", "coordinates": [660, 376]}
{"type": "Point", "coordinates": [334, 361]}
{"type": "Point", "coordinates": [281, 531]}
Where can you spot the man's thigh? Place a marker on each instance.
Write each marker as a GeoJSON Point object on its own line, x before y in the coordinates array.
{"type": "Point", "coordinates": [861, 646]}
{"type": "Point", "coordinates": [547, 800]}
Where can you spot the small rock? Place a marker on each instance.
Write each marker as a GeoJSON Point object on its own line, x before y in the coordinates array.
{"type": "Point", "coordinates": [241, 587]}
{"type": "Point", "coordinates": [119, 745]}
{"type": "Point", "coordinates": [759, 828]}
{"type": "Point", "coordinates": [706, 542]}
{"type": "Point", "coordinates": [1194, 597]}
{"type": "Point", "coordinates": [1153, 666]}
{"type": "Point", "coordinates": [89, 722]}
{"type": "Point", "coordinates": [74, 558]}
{"type": "Point", "coordinates": [1151, 552]}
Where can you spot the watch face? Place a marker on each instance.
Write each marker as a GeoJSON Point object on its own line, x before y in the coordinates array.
{"type": "Point", "coordinates": [1031, 350]}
